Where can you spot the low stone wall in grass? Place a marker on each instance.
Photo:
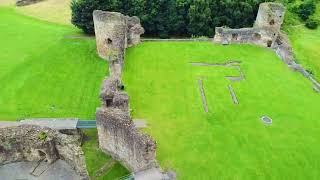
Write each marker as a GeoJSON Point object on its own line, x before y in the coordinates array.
{"type": "Point", "coordinates": [35, 143]}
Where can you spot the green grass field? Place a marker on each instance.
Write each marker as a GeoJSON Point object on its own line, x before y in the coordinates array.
{"type": "Point", "coordinates": [42, 73]}
{"type": "Point", "coordinates": [45, 74]}
{"type": "Point", "coordinates": [230, 142]}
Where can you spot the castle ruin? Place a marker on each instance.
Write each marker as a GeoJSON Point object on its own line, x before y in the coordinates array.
{"type": "Point", "coordinates": [118, 135]}
{"type": "Point", "coordinates": [34, 144]}
{"type": "Point", "coordinates": [266, 32]}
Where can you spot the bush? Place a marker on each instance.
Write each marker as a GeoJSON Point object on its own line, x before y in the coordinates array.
{"type": "Point", "coordinates": [164, 18]}
{"type": "Point", "coordinates": [312, 23]}
{"type": "Point", "coordinates": [306, 9]}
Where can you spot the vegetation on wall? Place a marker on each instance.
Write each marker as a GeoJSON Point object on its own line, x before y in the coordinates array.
{"type": "Point", "coordinates": [164, 18]}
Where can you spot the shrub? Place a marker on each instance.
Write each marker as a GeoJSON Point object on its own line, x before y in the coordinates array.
{"type": "Point", "coordinates": [306, 9]}
{"type": "Point", "coordinates": [312, 23]}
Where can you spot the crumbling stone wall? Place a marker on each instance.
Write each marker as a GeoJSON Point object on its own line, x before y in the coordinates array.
{"type": "Point", "coordinates": [118, 135]}
{"type": "Point", "coordinates": [34, 143]}
{"type": "Point", "coordinates": [257, 36]}
{"type": "Point", "coordinates": [266, 32]}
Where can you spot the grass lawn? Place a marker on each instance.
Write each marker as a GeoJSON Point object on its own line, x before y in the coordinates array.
{"type": "Point", "coordinates": [229, 142]}
{"type": "Point", "coordinates": [44, 74]}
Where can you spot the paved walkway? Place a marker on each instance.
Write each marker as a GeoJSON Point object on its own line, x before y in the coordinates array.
{"type": "Point", "coordinates": [61, 123]}
{"type": "Point", "coordinates": [153, 173]}
{"type": "Point", "coordinates": [59, 170]}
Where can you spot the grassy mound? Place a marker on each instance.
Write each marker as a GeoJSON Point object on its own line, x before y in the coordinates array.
{"type": "Point", "coordinates": [231, 141]}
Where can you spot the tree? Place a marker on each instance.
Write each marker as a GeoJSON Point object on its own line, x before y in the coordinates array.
{"type": "Point", "coordinates": [305, 9]}
{"type": "Point", "coordinates": [200, 18]}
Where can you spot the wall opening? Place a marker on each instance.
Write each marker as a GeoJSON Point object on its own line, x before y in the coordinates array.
{"type": "Point", "coordinates": [234, 36]}
{"type": "Point", "coordinates": [272, 22]}
{"type": "Point", "coordinates": [109, 102]}
{"type": "Point", "coordinates": [109, 41]}
{"type": "Point", "coordinates": [269, 43]}
{"type": "Point", "coordinates": [256, 36]}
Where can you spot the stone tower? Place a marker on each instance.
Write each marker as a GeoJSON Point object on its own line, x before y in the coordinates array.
{"type": "Point", "coordinates": [270, 15]}
{"type": "Point", "coordinates": [111, 34]}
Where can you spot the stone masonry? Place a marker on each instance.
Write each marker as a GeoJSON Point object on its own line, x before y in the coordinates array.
{"type": "Point", "coordinates": [118, 135]}
{"type": "Point", "coordinates": [115, 32]}
{"type": "Point", "coordinates": [267, 33]}
{"type": "Point", "coordinates": [35, 143]}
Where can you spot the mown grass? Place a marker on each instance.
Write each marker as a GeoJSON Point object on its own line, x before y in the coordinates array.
{"type": "Point", "coordinates": [45, 74]}
{"type": "Point", "coordinates": [230, 142]}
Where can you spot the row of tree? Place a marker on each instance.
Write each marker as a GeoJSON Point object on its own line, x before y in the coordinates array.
{"type": "Point", "coordinates": [164, 18]}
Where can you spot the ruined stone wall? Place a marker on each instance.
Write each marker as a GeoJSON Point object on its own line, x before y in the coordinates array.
{"type": "Point", "coordinates": [35, 143]}
{"type": "Point", "coordinates": [118, 135]}
{"type": "Point", "coordinates": [266, 32]}
{"type": "Point", "coordinates": [257, 36]}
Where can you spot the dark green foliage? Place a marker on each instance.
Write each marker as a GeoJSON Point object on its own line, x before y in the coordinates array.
{"type": "Point", "coordinates": [164, 18]}
{"type": "Point", "coordinates": [312, 23]}
{"type": "Point", "coordinates": [82, 12]}
{"type": "Point", "coordinates": [306, 9]}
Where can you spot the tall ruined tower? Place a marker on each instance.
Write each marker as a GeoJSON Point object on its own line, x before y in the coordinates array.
{"type": "Point", "coordinates": [111, 35]}
{"type": "Point", "coordinates": [270, 15]}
